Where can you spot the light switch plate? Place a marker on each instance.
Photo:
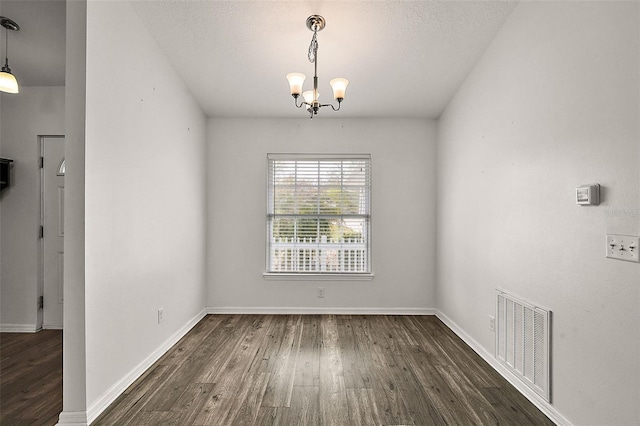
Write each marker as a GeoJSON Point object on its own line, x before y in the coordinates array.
{"type": "Point", "coordinates": [623, 247]}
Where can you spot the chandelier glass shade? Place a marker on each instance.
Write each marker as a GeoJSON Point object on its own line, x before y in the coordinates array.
{"type": "Point", "coordinates": [310, 98]}
{"type": "Point", "coordinates": [8, 82]}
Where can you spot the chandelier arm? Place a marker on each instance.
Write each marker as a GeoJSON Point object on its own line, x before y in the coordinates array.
{"type": "Point", "coordinates": [303, 103]}
{"type": "Point", "coordinates": [332, 107]}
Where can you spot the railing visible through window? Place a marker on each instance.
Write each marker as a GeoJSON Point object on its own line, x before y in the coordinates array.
{"type": "Point", "coordinates": [318, 215]}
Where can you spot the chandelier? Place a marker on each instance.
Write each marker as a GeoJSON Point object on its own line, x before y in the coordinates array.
{"type": "Point", "coordinates": [315, 23]}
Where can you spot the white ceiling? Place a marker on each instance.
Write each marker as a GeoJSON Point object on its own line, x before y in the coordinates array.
{"type": "Point", "coordinates": [403, 58]}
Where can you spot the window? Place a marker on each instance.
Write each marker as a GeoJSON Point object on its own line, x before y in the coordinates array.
{"type": "Point", "coordinates": [318, 215]}
{"type": "Point", "coordinates": [62, 168]}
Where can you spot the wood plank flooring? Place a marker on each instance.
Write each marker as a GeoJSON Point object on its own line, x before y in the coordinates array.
{"type": "Point", "coordinates": [321, 370]}
{"type": "Point", "coordinates": [30, 378]}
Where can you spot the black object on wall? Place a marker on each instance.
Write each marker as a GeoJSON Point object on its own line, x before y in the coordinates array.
{"type": "Point", "coordinates": [5, 173]}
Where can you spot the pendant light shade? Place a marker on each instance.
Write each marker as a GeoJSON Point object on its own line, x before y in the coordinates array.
{"type": "Point", "coordinates": [308, 97]}
{"type": "Point", "coordinates": [339, 86]}
{"type": "Point", "coordinates": [296, 80]}
{"type": "Point", "coordinates": [8, 82]}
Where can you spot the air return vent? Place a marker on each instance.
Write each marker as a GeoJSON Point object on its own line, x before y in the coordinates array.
{"type": "Point", "coordinates": [522, 341]}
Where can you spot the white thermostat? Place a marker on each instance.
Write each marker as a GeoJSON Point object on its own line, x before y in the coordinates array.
{"type": "Point", "coordinates": [588, 195]}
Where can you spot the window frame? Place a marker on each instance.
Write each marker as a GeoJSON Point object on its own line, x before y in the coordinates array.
{"type": "Point", "coordinates": [316, 275]}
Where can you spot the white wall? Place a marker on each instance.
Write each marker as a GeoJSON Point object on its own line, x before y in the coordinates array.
{"type": "Point", "coordinates": [553, 104]}
{"type": "Point", "coordinates": [74, 365]}
{"type": "Point", "coordinates": [34, 111]}
{"type": "Point", "coordinates": [144, 198]}
{"type": "Point", "coordinates": [403, 212]}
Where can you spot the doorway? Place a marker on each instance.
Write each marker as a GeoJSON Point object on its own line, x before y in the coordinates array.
{"type": "Point", "coordinates": [51, 294]}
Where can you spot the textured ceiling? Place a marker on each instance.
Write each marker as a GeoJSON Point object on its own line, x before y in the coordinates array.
{"type": "Point", "coordinates": [403, 58]}
{"type": "Point", "coordinates": [36, 51]}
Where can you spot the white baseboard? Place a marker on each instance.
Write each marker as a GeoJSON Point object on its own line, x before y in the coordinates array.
{"type": "Point", "coordinates": [319, 311]}
{"type": "Point", "coordinates": [72, 418]}
{"type": "Point", "coordinates": [18, 328]}
{"type": "Point", "coordinates": [535, 399]}
{"type": "Point", "coordinates": [117, 389]}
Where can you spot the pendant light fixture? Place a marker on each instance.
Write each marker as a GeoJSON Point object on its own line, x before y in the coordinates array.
{"type": "Point", "coordinates": [315, 23]}
{"type": "Point", "coordinates": [8, 82]}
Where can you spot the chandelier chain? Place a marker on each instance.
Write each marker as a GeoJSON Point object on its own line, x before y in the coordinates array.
{"type": "Point", "coordinates": [313, 48]}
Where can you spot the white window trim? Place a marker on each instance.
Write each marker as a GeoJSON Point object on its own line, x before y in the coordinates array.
{"type": "Point", "coordinates": [325, 276]}
{"type": "Point", "coordinates": [305, 276]}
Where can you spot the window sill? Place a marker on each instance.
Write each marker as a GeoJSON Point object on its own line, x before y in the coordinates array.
{"type": "Point", "coordinates": [280, 276]}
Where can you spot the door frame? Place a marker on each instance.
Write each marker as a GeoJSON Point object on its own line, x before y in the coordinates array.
{"type": "Point", "coordinates": [40, 292]}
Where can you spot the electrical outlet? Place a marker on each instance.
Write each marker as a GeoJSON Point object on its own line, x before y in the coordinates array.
{"type": "Point", "coordinates": [623, 247]}
{"type": "Point", "coordinates": [160, 315]}
{"type": "Point", "coordinates": [492, 323]}
{"type": "Point", "coordinates": [320, 292]}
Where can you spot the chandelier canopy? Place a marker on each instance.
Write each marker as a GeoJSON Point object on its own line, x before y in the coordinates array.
{"type": "Point", "coordinates": [315, 23]}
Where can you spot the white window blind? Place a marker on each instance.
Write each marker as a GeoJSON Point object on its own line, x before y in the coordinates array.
{"type": "Point", "coordinates": [318, 214]}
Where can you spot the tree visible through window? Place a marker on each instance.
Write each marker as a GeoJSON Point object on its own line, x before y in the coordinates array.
{"type": "Point", "coordinates": [318, 213]}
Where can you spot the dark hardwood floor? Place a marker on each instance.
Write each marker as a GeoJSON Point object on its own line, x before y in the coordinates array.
{"type": "Point", "coordinates": [30, 378]}
{"type": "Point", "coordinates": [321, 370]}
